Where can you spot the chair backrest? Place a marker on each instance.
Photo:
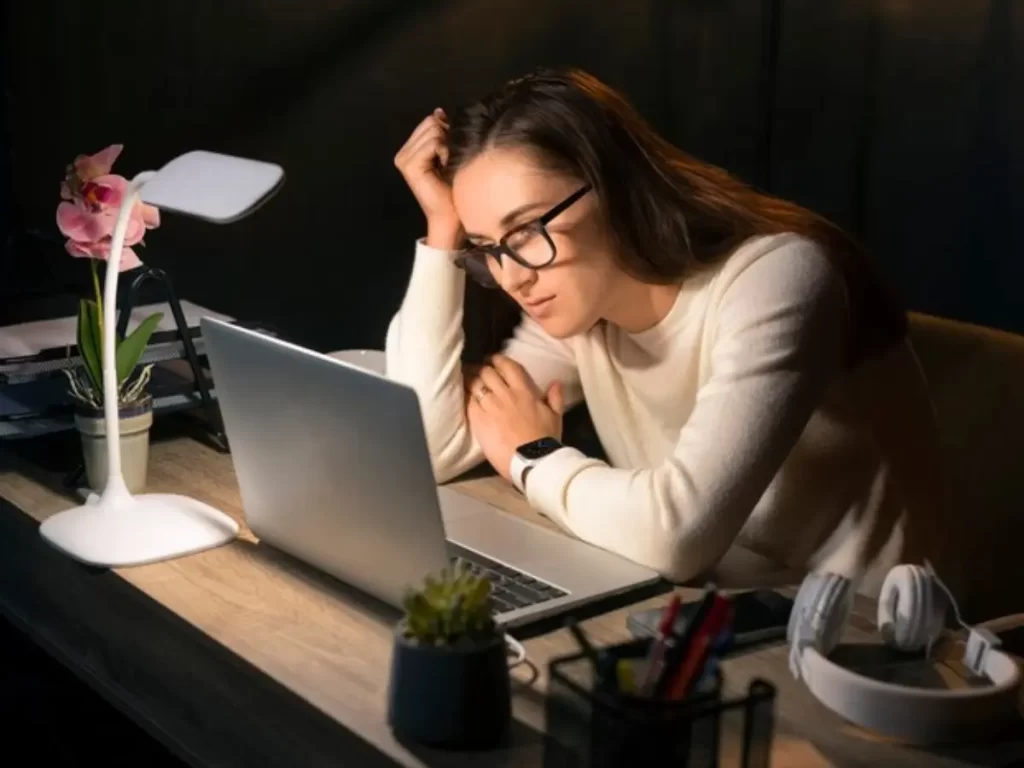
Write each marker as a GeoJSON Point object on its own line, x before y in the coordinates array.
{"type": "Point", "coordinates": [976, 379]}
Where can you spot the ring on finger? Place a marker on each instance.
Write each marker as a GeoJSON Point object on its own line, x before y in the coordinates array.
{"type": "Point", "coordinates": [481, 391]}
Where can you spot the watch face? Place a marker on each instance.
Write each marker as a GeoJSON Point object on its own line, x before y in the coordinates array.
{"type": "Point", "coordinates": [539, 448]}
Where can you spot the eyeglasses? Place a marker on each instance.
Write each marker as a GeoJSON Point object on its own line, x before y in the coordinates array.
{"type": "Point", "coordinates": [529, 245]}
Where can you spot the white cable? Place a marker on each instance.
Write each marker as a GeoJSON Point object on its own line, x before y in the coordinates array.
{"type": "Point", "coordinates": [949, 594]}
{"type": "Point", "coordinates": [517, 648]}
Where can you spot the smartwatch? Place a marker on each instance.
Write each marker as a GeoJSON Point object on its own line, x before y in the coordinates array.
{"type": "Point", "coordinates": [527, 455]}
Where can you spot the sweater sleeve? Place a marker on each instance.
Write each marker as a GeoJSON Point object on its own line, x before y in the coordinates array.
{"type": "Point", "coordinates": [424, 351]}
{"type": "Point", "coordinates": [776, 344]}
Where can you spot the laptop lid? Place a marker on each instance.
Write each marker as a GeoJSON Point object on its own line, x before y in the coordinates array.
{"type": "Point", "coordinates": [331, 460]}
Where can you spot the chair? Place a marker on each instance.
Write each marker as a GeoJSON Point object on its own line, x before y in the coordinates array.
{"type": "Point", "coordinates": [976, 376]}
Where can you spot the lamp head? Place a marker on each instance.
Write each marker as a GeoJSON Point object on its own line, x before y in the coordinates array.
{"type": "Point", "coordinates": [211, 186]}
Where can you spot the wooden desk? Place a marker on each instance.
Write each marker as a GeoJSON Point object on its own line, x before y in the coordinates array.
{"type": "Point", "coordinates": [243, 656]}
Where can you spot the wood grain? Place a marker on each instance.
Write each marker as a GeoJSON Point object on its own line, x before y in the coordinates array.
{"type": "Point", "coordinates": [245, 656]}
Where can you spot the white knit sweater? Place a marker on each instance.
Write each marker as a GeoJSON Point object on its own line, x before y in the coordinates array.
{"type": "Point", "coordinates": [730, 420]}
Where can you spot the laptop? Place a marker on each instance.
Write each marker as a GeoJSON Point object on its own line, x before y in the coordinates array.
{"type": "Point", "coordinates": [333, 468]}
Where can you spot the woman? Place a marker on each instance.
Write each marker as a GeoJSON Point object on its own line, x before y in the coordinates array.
{"type": "Point", "coordinates": [746, 372]}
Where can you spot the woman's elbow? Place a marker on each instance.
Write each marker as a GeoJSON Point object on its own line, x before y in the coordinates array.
{"type": "Point", "coordinates": [451, 451]}
{"type": "Point", "coordinates": [679, 556]}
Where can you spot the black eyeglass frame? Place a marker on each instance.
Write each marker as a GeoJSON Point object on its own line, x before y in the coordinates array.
{"type": "Point", "coordinates": [502, 248]}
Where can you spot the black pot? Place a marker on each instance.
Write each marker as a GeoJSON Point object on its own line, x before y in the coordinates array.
{"type": "Point", "coordinates": [453, 698]}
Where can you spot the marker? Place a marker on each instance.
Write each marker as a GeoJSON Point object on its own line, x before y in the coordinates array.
{"type": "Point", "coordinates": [677, 652]}
{"type": "Point", "coordinates": [703, 643]}
{"type": "Point", "coordinates": [625, 676]}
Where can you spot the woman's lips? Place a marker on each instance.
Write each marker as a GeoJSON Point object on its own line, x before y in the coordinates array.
{"type": "Point", "coordinates": [539, 306]}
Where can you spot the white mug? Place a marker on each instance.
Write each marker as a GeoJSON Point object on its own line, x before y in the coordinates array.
{"type": "Point", "coordinates": [373, 360]}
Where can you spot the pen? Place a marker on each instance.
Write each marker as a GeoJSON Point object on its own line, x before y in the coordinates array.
{"type": "Point", "coordinates": [655, 660]}
{"type": "Point", "coordinates": [678, 649]}
{"type": "Point", "coordinates": [703, 643]}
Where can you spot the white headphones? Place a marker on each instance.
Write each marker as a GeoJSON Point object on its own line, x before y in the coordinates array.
{"type": "Point", "coordinates": [911, 617]}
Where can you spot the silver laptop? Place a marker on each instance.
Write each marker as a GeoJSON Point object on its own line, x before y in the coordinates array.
{"type": "Point", "coordinates": [333, 468]}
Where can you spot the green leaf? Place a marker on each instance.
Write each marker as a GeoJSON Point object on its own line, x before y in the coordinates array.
{"type": "Point", "coordinates": [89, 342]}
{"type": "Point", "coordinates": [454, 608]}
{"type": "Point", "coordinates": [130, 350]}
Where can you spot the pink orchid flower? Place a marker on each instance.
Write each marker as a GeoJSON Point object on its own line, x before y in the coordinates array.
{"type": "Point", "coordinates": [88, 167]}
{"type": "Point", "coordinates": [92, 196]}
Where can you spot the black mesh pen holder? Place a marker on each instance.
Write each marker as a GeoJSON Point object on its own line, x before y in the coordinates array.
{"type": "Point", "coordinates": [591, 727]}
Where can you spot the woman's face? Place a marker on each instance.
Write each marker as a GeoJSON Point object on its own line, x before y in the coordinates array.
{"type": "Point", "coordinates": [503, 188]}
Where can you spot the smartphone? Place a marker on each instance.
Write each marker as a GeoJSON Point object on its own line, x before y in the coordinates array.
{"type": "Point", "coordinates": [760, 617]}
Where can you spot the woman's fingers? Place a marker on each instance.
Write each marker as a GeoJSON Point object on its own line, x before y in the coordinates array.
{"type": "Point", "coordinates": [490, 384]}
{"type": "Point", "coordinates": [515, 375]}
{"type": "Point", "coordinates": [425, 125]}
{"type": "Point", "coordinates": [420, 154]}
{"type": "Point", "coordinates": [430, 125]}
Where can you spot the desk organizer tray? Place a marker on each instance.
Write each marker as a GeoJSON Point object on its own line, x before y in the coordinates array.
{"type": "Point", "coordinates": [34, 398]}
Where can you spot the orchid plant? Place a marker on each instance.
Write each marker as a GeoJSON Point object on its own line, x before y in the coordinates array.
{"type": "Point", "coordinates": [90, 198]}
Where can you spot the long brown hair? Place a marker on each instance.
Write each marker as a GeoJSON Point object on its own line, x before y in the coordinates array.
{"type": "Point", "coordinates": [670, 212]}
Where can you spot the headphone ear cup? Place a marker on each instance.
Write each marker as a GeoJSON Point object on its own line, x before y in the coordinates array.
{"type": "Point", "coordinates": [911, 608]}
{"type": "Point", "coordinates": [820, 610]}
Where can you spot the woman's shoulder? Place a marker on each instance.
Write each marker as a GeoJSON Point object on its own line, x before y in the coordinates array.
{"type": "Point", "coordinates": [779, 265]}
{"type": "Point", "coordinates": [781, 250]}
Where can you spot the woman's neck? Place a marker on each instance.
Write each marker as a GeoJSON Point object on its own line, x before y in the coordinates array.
{"type": "Point", "coordinates": [636, 307]}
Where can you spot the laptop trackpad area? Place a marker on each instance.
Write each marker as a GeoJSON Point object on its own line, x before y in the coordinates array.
{"type": "Point", "coordinates": [481, 527]}
{"type": "Point", "coordinates": [542, 554]}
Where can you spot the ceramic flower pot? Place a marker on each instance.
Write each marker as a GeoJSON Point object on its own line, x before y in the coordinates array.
{"type": "Point", "coordinates": [135, 421]}
{"type": "Point", "coordinates": [451, 698]}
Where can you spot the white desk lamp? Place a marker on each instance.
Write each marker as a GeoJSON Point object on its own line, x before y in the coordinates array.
{"type": "Point", "coordinates": [116, 528]}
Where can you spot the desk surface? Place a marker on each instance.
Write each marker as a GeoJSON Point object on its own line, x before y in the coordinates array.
{"type": "Point", "coordinates": [243, 656]}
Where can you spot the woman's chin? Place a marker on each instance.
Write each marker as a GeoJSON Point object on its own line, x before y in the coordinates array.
{"type": "Point", "coordinates": [560, 326]}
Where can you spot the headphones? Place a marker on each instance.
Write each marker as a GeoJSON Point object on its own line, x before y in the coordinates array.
{"type": "Point", "coordinates": [911, 617]}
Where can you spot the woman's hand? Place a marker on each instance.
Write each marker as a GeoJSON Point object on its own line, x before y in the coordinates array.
{"type": "Point", "coordinates": [416, 162]}
{"type": "Point", "coordinates": [506, 409]}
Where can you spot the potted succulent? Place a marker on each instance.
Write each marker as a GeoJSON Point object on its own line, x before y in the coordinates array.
{"type": "Point", "coordinates": [91, 196]}
{"type": "Point", "coordinates": [450, 684]}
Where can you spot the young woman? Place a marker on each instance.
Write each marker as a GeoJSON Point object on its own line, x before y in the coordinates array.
{"type": "Point", "coordinates": [746, 372]}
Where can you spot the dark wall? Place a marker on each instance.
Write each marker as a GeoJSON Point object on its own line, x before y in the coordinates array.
{"type": "Point", "coordinates": [897, 122]}
{"type": "Point", "coordinates": [919, 142]}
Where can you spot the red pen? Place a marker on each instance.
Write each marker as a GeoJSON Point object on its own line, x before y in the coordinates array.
{"type": "Point", "coordinates": [717, 620]}
{"type": "Point", "coordinates": [656, 659]}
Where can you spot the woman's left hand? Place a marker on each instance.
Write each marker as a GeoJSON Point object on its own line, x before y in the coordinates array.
{"type": "Point", "coordinates": [506, 409]}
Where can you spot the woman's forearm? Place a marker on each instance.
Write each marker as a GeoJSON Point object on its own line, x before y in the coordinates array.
{"type": "Point", "coordinates": [424, 351]}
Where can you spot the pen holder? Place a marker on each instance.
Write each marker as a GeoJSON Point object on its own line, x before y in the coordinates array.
{"type": "Point", "coordinates": [591, 727]}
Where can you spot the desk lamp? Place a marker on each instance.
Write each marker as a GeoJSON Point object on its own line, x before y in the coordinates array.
{"type": "Point", "coordinates": [117, 528]}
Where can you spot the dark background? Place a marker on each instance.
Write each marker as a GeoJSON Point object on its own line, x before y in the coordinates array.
{"type": "Point", "coordinates": [901, 120]}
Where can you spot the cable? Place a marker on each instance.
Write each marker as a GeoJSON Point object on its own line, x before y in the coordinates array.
{"type": "Point", "coordinates": [517, 649]}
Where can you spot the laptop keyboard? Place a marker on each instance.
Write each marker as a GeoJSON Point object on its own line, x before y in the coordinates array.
{"type": "Point", "coordinates": [510, 589]}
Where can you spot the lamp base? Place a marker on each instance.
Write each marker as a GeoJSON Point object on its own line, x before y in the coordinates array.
{"type": "Point", "coordinates": [117, 530]}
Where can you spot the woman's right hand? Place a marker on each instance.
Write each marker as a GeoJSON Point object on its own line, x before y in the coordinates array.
{"type": "Point", "coordinates": [415, 161]}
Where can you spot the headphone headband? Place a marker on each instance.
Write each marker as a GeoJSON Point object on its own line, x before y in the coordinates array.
{"type": "Point", "coordinates": [911, 615]}
{"type": "Point", "coordinates": [915, 715]}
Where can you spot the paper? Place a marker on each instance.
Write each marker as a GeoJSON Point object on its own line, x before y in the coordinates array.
{"type": "Point", "coordinates": [27, 339]}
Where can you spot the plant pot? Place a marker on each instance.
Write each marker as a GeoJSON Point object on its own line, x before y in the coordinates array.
{"type": "Point", "coordinates": [134, 423]}
{"type": "Point", "coordinates": [453, 698]}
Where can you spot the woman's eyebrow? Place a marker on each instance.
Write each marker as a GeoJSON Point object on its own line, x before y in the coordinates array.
{"type": "Point", "coordinates": [512, 216]}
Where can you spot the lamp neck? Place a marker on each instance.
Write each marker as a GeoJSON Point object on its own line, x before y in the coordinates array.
{"type": "Point", "coordinates": [115, 480]}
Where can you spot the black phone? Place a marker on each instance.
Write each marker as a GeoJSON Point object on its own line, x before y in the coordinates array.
{"type": "Point", "coordinates": [760, 617]}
